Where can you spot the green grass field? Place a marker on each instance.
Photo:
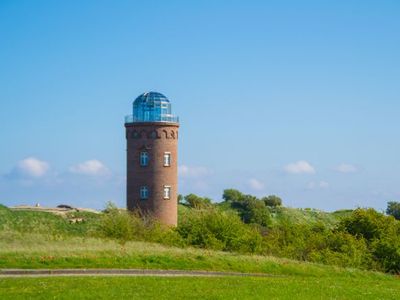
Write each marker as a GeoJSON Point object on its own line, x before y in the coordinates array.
{"type": "Point", "coordinates": [300, 280]}
{"type": "Point", "coordinates": [38, 251]}
{"type": "Point", "coordinates": [35, 240]}
{"type": "Point", "coordinates": [292, 287]}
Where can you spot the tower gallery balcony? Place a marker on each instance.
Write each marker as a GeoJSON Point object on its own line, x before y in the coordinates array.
{"type": "Point", "coordinates": [165, 118]}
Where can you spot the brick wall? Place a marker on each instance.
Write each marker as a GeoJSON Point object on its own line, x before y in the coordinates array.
{"type": "Point", "coordinates": [156, 139]}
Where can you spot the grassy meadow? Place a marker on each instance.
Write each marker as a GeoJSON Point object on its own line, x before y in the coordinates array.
{"type": "Point", "coordinates": [38, 251]}
{"type": "Point", "coordinates": [293, 280]}
{"type": "Point", "coordinates": [292, 287]}
{"type": "Point", "coordinates": [38, 240]}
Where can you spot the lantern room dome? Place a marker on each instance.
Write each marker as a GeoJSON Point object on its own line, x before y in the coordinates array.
{"type": "Point", "coordinates": [150, 97]}
{"type": "Point", "coordinates": [152, 107]}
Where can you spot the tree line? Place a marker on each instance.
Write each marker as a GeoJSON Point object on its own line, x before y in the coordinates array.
{"type": "Point", "coordinates": [364, 238]}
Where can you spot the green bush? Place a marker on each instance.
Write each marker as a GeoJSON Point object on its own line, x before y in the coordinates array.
{"type": "Point", "coordinates": [252, 211]}
{"type": "Point", "coordinates": [232, 195]}
{"type": "Point", "coordinates": [272, 201]}
{"type": "Point", "coordinates": [119, 225]}
{"type": "Point", "coordinates": [382, 235]}
{"type": "Point", "coordinates": [393, 209]}
{"type": "Point", "coordinates": [370, 224]}
{"type": "Point", "coordinates": [195, 201]}
{"type": "Point", "coordinates": [316, 243]}
{"type": "Point", "coordinates": [219, 230]}
{"type": "Point", "coordinates": [387, 252]}
{"type": "Point", "coordinates": [126, 226]}
{"type": "Point", "coordinates": [343, 249]}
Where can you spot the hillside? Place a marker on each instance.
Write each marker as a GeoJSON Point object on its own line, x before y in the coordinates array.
{"type": "Point", "coordinates": [288, 279]}
{"type": "Point", "coordinates": [45, 220]}
{"type": "Point", "coordinates": [37, 240]}
{"type": "Point", "coordinates": [308, 215]}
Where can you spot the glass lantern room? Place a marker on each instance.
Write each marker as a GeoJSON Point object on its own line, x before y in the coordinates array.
{"type": "Point", "coordinates": [151, 107]}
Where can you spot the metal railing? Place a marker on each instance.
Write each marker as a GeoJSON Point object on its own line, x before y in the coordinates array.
{"type": "Point", "coordinates": [166, 118]}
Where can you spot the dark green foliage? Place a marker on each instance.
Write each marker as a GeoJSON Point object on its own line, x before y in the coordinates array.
{"type": "Point", "coordinates": [220, 230]}
{"type": "Point", "coordinates": [195, 201]}
{"type": "Point", "coordinates": [232, 195]}
{"type": "Point", "coordinates": [386, 251]}
{"type": "Point", "coordinates": [369, 224]}
{"type": "Point", "coordinates": [381, 233]}
{"type": "Point", "coordinates": [393, 209]}
{"type": "Point", "coordinates": [272, 201]}
{"type": "Point", "coordinates": [252, 211]}
{"type": "Point", "coordinates": [342, 249]}
{"type": "Point", "coordinates": [316, 243]}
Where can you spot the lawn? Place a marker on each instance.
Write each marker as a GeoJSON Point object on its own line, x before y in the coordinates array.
{"type": "Point", "coordinates": [291, 287]}
{"type": "Point", "coordinates": [33, 251]}
{"type": "Point", "coordinates": [297, 280]}
{"type": "Point", "coordinates": [41, 240]}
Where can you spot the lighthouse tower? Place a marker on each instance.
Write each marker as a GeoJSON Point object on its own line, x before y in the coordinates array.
{"type": "Point", "coordinates": [152, 155]}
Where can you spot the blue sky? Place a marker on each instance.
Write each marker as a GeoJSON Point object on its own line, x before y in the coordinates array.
{"type": "Point", "coordinates": [295, 98]}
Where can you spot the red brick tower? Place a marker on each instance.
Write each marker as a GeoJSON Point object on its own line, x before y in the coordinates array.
{"type": "Point", "coordinates": [152, 155]}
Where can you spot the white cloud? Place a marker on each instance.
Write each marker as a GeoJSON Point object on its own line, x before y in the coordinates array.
{"type": "Point", "coordinates": [255, 184]}
{"type": "Point", "coordinates": [317, 185]}
{"type": "Point", "coordinates": [194, 172]}
{"type": "Point", "coordinates": [194, 178]}
{"type": "Point", "coordinates": [90, 167]}
{"type": "Point", "coordinates": [32, 167]}
{"type": "Point", "coordinates": [323, 184]}
{"type": "Point", "coordinates": [311, 185]}
{"type": "Point", "coordinates": [346, 168]}
{"type": "Point", "coordinates": [300, 167]}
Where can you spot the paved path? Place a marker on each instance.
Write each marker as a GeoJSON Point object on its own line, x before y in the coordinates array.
{"type": "Point", "coordinates": [122, 272]}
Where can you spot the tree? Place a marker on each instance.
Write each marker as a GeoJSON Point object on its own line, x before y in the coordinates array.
{"type": "Point", "coordinates": [256, 213]}
{"type": "Point", "coordinates": [231, 195]}
{"type": "Point", "coordinates": [369, 224]}
{"type": "Point", "coordinates": [387, 252]}
{"type": "Point", "coordinates": [219, 230]}
{"type": "Point", "coordinates": [195, 201]}
{"type": "Point", "coordinates": [180, 199]}
{"type": "Point", "coordinates": [252, 210]}
{"type": "Point", "coordinates": [272, 201]}
{"type": "Point", "coordinates": [393, 209]}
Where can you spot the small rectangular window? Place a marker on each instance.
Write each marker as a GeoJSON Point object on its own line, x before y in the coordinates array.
{"type": "Point", "coordinates": [144, 159]}
{"type": "Point", "coordinates": [167, 192]}
{"type": "Point", "coordinates": [144, 193]}
{"type": "Point", "coordinates": [167, 159]}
